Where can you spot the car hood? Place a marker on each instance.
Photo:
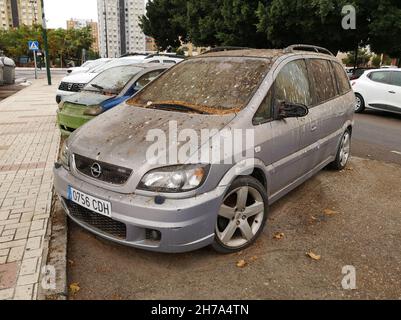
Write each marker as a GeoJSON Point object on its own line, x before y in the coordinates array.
{"type": "Point", "coordinates": [119, 136]}
{"type": "Point", "coordinates": [87, 98]}
{"type": "Point", "coordinates": [80, 77]}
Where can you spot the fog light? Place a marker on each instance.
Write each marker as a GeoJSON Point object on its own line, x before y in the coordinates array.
{"type": "Point", "coordinates": [153, 235]}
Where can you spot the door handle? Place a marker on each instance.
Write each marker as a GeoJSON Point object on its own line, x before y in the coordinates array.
{"type": "Point", "coordinates": [392, 92]}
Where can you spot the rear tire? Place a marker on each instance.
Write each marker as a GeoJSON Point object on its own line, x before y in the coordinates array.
{"type": "Point", "coordinates": [343, 153]}
{"type": "Point", "coordinates": [242, 216]}
{"type": "Point", "coordinates": [360, 103]}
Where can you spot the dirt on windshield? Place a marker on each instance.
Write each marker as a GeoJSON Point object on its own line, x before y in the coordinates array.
{"type": "Point", "coordinates": [223, 85]}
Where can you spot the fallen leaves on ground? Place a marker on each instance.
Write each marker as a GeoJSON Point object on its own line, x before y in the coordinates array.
{"type": "Point", "coordinates": [314, 256]}
{"type": "Point", "coordinates": [241, 264]}
{"type": "Point", "coordinates": [279, 235]}
{"type": "Point", "coordinates": [329, 212]}
{"type": "Point", "coordinates": [253, 259]}
{"type": "Point", "coordinates": [74, 288]}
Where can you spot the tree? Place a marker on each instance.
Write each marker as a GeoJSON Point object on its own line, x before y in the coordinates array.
{"type": "Point", "coordinates": [165, 21]}
{"type": "Point", "coordinates": [363, 58]}
{"type": "Point", "coordinates": [63, 44]}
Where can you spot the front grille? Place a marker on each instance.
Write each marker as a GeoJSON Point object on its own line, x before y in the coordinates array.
{"type": "Point", "coordinates": [101, 223]}
{"type": "Point", "coordinates": [108, 172]}
{"type": "Point", "coordinates": [73, 87]}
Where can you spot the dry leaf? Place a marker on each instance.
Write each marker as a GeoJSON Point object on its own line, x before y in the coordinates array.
{"type": "Point", "coordinates": [74, 288]}
{"type": "Point", "coordinates": [279, 235]}
{"type": "Point", "coordinates": [313, 256]}
{"type": "Point", "coordinates": [329, 212]}
{"type": "Point", "coordinates": [253, 259]}
{"type": "Point", "coordinates": [241, 264]}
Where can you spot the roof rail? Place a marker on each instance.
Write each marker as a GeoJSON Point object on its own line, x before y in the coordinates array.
{"type": "Point", "coordinates": [130, 54]}
{"type": "Point", "coordinates": [307, 47]}
{"type": "Point", "coordinates": [227, 48]}
{"type": "Point", "coordinates": [170, 55]}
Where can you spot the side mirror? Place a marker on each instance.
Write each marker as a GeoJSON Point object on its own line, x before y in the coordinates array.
{"type": "Point", "coordinates": [292, 110]}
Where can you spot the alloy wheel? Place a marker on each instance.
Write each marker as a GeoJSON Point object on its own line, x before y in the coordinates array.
{"type": "Point", "coordinates": [240, 217]}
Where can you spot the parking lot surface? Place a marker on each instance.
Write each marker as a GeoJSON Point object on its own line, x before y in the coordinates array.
{"type": "Point", "coordinates": [350, 218]}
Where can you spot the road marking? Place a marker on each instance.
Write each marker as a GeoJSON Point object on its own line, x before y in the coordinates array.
{"type": "Point", "coordinates": [396, 152]}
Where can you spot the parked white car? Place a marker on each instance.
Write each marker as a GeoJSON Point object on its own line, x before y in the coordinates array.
{"type": "Point", "coordinates": [378, 89]}
{"type": "Point", "coordinates": [76, 82]}
{"type": "Point", "coordinates": [88, 65]}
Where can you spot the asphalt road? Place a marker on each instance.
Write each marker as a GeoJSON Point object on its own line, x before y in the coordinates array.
{"type": "Point", "coordinates": [377, 135]}
{"type": "Point", "coordinates": [29, 73]}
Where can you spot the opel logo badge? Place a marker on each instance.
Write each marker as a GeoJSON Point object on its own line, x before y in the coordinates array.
{"type": "Point", "coordinates": [96, 170]}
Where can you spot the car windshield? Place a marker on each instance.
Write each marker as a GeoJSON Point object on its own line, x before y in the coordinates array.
{"type": "Point", "coordinates": [214, 85]}
{"type": "Point", "coordinates": [113, 80]}
{"type": "Point", "coordinates": [116, 63]}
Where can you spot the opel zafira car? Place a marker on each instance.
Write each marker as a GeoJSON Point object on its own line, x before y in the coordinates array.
{"type": "Point", "coordinates": [299, 103]}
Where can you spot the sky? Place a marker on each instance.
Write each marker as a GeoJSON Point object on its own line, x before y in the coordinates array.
{"type": "Point", "coordinates": [59, 11]}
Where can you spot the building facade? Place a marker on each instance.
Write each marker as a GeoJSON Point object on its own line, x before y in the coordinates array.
{"type": "Point", "coordinates": [15, 13]}
{"type": "Point", "coordinates": [119, 31]}
{"type": "Point", "coordinates": [81, 23]}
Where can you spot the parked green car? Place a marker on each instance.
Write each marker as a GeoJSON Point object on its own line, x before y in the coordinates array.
{"type": "Point", "coordinates": [107, 90]}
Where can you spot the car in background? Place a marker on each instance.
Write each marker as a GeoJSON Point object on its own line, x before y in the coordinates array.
{"type": "Point", "coordinates": [107, 90]}
{"type": "Point", "coordinates": [90, 64]}
{"type": "Point", "coordinates": [76, 82]}
{"type": "Point", "coordinates": [378, 89]}
{"type": "Point", "coordinates": [354, 74]}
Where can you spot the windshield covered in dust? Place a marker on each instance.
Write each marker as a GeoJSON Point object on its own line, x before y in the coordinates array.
{"type": "Point", "coordinates": [113, 80]}
{"type": "Point", "coordinates": [213, 85]}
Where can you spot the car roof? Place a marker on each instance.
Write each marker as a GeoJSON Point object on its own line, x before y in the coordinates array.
{"type": "Point", "coordinates": [271, 54]}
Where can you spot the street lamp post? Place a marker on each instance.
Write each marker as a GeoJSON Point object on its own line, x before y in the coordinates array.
{"type": "Point", "coordinates": [46, 45]}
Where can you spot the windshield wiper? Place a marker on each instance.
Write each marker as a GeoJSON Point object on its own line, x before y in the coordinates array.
{"type": "Point", "coordinates": [97, 86]}
{"type": "Point", "coordinates": [175, 107]}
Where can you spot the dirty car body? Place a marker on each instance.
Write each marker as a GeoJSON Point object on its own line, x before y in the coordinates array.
{"type": "Point", "coordinates": [106, 91]}
{"type": "Point", "coordinates": [301, 116]}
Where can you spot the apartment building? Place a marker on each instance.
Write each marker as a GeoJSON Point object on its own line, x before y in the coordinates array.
{"type": "Point", "coordinates": [14, 13]}
{"type": "Point", "coordinates": [82, 23]}
{"type": "Point", "coordinates": [119, 31]}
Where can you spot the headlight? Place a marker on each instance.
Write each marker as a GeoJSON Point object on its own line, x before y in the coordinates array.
{"type": "Point", "coordinates": [61, 105]}
{"type": "Point", "coordinates": [65, 156]}
{"type": "Point", "coordinates": [93, 111]}
{"type": "Point", "coordinates": [179, 178]}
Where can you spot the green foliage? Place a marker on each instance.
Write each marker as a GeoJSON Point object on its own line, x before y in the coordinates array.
{"type": "Point", "coordinates": [363, 58]}
{"type": "Point", "coordinates": [278, 23]}
{"type": "Point", "coordinates": [63, 44]}
{"type": "Point", "coordinates": [376, 60]}
{"type": "Point", "coordinates": [165, 21]}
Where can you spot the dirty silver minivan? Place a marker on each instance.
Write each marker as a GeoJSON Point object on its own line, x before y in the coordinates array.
{"type": "Point", "coordinates": [298, 105]}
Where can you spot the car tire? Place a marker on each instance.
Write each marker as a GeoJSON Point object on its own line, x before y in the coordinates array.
{"type": "Point", "coordinates": [243, 214]}
{"type": "Point", "coordinates": [360, 103]}
{"type": "Point", "coordinates": [343, 152]}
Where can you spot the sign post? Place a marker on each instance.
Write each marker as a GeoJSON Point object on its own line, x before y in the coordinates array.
{"type": "Point", "coordinates": [34, 46]}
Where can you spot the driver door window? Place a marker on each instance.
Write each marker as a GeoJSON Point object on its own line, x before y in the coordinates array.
{"type": "Point", "coordinates": [292, 84]}
{"type": "Point", "coordinates": [147, 78]}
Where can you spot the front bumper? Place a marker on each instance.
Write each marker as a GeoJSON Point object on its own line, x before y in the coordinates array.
{"type": "Point", "coordinates": [183, 224]}
{"type": "Point", "coordinates": [69, 119]}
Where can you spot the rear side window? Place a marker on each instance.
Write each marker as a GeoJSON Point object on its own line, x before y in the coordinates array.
{"type": "Point", "coordinates": [292, 84]}
{"type": "Point", "coordinates": [381, 77]}
{"type": "Point", "coordinates": [322, 80]}
{"type": "Point", "coordinates": [342, 79]}
{"type": "Point", "coordinates": [396, 79]}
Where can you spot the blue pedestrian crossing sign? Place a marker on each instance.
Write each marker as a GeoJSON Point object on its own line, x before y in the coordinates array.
{"type": "Point", "coordinates": [33, 45]}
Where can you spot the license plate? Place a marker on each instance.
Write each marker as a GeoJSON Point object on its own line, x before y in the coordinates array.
{"type": "Point", "coordinates": [85, 200]}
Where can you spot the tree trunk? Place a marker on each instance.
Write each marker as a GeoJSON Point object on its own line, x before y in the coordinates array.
{"type": "Point", "coordinates": [356, 58]}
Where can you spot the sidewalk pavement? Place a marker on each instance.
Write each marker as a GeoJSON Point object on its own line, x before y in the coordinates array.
{"type": "Point", "coordinates": [29, 142]}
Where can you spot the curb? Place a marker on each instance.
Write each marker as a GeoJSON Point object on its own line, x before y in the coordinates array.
{"type": "Point", "coordinates": [56, 253]}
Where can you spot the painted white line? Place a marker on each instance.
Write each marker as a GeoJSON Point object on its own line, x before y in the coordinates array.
{"type": "Point", "coordinates": [396, 152]}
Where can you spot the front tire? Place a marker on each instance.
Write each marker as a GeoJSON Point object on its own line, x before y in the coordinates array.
{"type": "Point", "coordinates": [360, 103]}
{"type": "Point", "coordinates": [343, 153]}
{"type": "Point", "coordinates": [242, 216]}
